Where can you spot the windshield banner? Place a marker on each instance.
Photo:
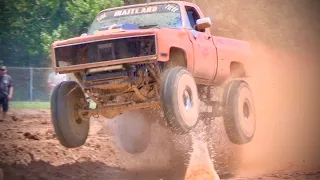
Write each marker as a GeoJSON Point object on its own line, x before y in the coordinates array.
{"type": "Point", "coordinates": [163, 8]}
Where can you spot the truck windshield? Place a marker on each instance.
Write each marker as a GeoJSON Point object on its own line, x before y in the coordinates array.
{"type": "Point", "coordinates": [142, 17]}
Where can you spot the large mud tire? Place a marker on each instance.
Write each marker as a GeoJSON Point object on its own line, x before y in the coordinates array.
{"type": "Point", "coordinates": [239, 112]}
{"type": "Point", "coordinates": [71, 130]}
{"type": "Point", "coordinates": [178, 86]}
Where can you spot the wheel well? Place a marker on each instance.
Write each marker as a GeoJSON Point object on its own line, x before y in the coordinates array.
{"type": "Point", "coordinates": [177, 57]}
{"type": "Point", "coordinates": [237, 70]}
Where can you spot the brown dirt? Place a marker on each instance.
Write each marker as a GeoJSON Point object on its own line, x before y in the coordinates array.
{"type": "Point", "coordinates": [30, 150]}
{"type": "Point", "coordinates": [25, 157]}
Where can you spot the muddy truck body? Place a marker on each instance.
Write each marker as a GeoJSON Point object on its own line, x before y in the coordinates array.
{"type": "Point", "coordinates": [156, 56]}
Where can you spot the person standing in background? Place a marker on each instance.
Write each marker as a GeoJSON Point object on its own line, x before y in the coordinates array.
{"type": "Point", "coordinates": [54, 79]}
{"type": "Point", "coordinates": [6, 90]}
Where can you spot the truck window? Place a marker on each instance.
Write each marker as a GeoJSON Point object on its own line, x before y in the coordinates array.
{"type": "Point", "coordinates": [192, 17]}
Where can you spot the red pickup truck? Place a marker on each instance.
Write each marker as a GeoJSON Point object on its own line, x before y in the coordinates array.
{"type": "Point", "coordinates": [151, 56]}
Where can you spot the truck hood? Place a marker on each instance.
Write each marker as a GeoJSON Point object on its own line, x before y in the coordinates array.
{"type": "Point", "coordinates": [103, 35]}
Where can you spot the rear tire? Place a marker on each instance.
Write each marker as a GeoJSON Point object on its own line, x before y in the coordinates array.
{"type": "Point", "coordinates": [71, 130]}
{"type": "Point", "coordinates": [180, 102]}
{"type": "Point", "coordinates": [239, 112]}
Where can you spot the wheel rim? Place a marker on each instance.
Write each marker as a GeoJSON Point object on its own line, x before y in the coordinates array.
{"type": "Point", "coordinates": [246, 109]}
{"type": "Point", "coordinates": [187, 98]}
{"type": "Point", "coordinates": [246, 112]}
{"type": "Point", "coordinates": [77, 118]}
{"type": "Point", "coordinates": [187, 102]}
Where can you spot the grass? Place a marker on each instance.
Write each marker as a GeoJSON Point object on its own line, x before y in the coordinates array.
{"type": "Point", "coordinates": [36, 105]}
{"type": "Point", "coordinates": [29, 105]}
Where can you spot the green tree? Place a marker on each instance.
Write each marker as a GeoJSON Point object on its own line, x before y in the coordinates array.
{"type": "Point", "coordinates": [28, 27]}
{"type": "Point", "coordinates": [21, 23]}
{"type": "Point", "coordinates": [81, 12]}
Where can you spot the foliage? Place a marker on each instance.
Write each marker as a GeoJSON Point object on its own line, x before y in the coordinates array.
{"type": "Point", "coordinates": [28, 27]}
{"type": "Point", "coordinates": [83, 12]}
{"type": "Point", "coordinates": [29, 105]}
{"type": "Point", "coordinates": [129, 2]}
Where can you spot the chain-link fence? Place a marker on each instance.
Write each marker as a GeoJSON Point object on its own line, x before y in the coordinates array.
{"type": "Point", "coordinates": [30, 84]}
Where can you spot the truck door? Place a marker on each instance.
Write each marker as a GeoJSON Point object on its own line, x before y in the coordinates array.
{"type": "Point", "coordinates": [204, 50]}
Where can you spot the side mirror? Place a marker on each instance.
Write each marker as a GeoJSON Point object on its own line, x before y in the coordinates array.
{"type": "Point", "coordinates": [203, 23]}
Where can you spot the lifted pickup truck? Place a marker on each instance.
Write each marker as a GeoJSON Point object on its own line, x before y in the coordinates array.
{"type": "Point", "coordinates": [151, 56]}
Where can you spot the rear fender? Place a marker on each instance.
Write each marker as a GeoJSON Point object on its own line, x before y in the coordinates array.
{"type": "Point", "coordinates": [232, 55]}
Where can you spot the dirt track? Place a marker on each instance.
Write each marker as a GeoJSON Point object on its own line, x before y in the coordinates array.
{"type": "Point", "coordinates": [29, 150]}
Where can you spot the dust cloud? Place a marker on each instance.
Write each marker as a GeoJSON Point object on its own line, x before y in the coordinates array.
{"type": "Point", "coordinates": [287, 135]}
{"type": "Point", "coordinates": [285, 41]}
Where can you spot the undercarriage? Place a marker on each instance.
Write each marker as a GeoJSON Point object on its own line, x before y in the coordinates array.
{"type": "Point", "coordinates": [130, 87]}
{"type": "Point", "coordinates": [211, 102]}
{"type": "Point", "coordinates": [137, 86]}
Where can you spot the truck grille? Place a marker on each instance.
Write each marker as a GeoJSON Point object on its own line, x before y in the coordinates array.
{"type": "Point", "coordinates": [105, 50]}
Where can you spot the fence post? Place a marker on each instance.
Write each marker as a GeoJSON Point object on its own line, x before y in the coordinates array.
{"type": "Point", "coordinates": [31, 84]}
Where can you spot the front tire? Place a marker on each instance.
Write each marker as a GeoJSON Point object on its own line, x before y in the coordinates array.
{"type": "Point", "coordinates": [71, 130]}
{"type": "Point", "coordinates": [239, 112]}
{"type": "Point", "coordinates": [179, 96]}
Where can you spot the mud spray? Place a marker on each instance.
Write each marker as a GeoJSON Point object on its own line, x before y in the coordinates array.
{"type": "Point", "coordinates": [285, 42]}
{"type": "Point", "coordinates": [200, 166]}
{"type": "Point", "coordinates": [284, 70]}
{"type": "Point", "coordinates": [145, 145]}
{"type": "Point", "coordinates": [287, 136]}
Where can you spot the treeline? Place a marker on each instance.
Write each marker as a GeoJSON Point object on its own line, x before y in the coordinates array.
{"type": "Point", "coordinates": [28, 27]}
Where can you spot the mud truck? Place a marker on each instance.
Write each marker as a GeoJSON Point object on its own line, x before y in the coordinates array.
{"type": "Point", "coordinates": [156, 56]}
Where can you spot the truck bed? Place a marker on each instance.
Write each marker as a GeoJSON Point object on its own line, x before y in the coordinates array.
{"type": "Point", "coordinates": [232, 44]}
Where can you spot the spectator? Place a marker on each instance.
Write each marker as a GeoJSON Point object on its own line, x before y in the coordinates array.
{"type": "Point", "coordinates": [54, 79]}
{"type": "Point", "coordinates": [6, 90]}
